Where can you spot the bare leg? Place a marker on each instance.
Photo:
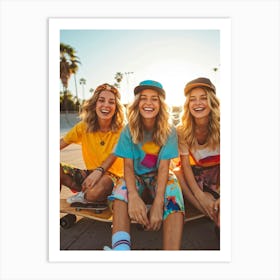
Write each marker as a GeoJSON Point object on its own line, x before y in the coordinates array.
{"type": "Point", "coordinates": [173, 231]}
{"type": "Point", "coordinates": [188, 195]}
{"type": "Point", "coordinates": [121, 220]}
{"type": "Point", "coordinates": [101, 190]}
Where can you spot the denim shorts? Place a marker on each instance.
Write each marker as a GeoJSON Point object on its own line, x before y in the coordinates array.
{"type": "Point", "coordinates": [173, 198]}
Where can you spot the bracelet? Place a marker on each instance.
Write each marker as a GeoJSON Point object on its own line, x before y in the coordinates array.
{"type": "Point", "coordinates": [101, 169]}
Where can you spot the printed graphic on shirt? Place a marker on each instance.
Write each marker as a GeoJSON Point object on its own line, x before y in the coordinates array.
{"type": "Point", "coordinates": [151, 154]}
{"type": "Point", "coordinates": [207, 171]}
{"type": "Point", "coordinates": [205, 161]}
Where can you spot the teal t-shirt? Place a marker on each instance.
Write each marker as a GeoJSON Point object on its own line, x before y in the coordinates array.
{"type": "Point", "coordinates": [146, 155]}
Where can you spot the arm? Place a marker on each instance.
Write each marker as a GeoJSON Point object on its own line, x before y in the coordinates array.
{"type": "Point", "coordinates": [205, 200]}
{"type": "Point", "coordinates": [156, 213]}
{"type": "Point", "coordinates": [95, 176]}
{"type": "Point", "coordinates": [63, 144]}
{"type": "Point", "coordinates": [136, 206]}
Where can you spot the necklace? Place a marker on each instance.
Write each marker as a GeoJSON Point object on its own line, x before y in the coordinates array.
{"type": "Point", "coordinates": [102, 142]}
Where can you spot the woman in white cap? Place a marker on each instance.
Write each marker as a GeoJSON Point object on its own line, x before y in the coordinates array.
{"type": "Point", "coordinates": [147, 144]}
{"type": "Point", "coordinates": [199, 148]}
{"type": "Point", "coordinates": [102, 120]}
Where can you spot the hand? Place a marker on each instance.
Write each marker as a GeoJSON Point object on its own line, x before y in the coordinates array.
{"type": "Point", "coordinates": [156, 215]}
{"type": "Point", "coordinates": [217, 212]}
{"type": "Point", "coordinates": [91, 180]}
{"type": "Point", "coordinates": [207, 202]}
{"type": "Point", "coordinates": [137, 210]}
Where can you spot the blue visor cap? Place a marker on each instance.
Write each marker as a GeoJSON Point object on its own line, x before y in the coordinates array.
{"type": "Point", "coordinates": [149, 84]}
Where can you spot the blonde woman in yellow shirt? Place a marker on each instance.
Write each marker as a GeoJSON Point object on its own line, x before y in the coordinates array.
{"type": "Point", "coordinates": [102, 119]}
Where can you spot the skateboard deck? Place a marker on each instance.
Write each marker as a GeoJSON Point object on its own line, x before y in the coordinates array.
{"type": "Point", "coordinates": [95, 206]}
{"type": "Point", "coordinates": [103, 213]}
{"type": "Point", "coordinates": [100, 212]}
{"type": "Point", "coordinates": [191, 213]}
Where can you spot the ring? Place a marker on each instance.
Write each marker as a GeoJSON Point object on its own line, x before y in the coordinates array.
{"type": "Point", "coordinates": [215, 209]}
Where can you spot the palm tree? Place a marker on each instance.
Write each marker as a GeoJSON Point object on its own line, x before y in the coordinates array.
{"type": "Point", "coordinates": [118, 78]}
{"type": "Point", "coordinates": [216, 68]}
{"type": "Point", "coordinates": [68, 66]}
{"type": "Point", "coordinates": [83, 82]}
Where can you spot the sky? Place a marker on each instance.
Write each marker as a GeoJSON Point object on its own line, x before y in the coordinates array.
{"type": "Point", "coordinates": [171, 57]}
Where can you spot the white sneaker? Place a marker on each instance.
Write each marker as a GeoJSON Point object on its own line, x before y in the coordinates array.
{"type": "Point", "coordinates": [78, 197]}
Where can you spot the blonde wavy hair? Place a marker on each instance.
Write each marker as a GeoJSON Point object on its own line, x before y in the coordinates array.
{"type": "Point", "coordinates": [162, 124]}
{"type": "Point", "coordinates": [88, 110]}
{"type": "Point", "coordinates": [186, 127]}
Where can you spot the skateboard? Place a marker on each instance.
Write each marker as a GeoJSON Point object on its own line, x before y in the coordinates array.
{"type": "Point", "coordinates": [96, 211]}
{"type": "Point", "coordinates": [102, 212]}
{"type": "Point", "coordinates": [191, 213]}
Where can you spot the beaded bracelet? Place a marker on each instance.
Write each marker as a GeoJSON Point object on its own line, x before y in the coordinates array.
{"type": "Point", "coordinates": [100, 168]}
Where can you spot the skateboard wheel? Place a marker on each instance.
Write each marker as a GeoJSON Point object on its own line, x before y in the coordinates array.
{"type": "Point", "coordinates": [68, 221]}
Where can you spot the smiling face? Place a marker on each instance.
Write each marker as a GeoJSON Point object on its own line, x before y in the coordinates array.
{"type": "Point", "coordinates": [198, 103]}
{"type": "Point", "coordinates": [149, 104]}
{"type": "Point", "coordinates": [106, 105]}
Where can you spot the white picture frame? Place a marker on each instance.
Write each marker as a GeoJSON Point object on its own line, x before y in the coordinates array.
{"type": "Point", "coordinates": [223, 25]}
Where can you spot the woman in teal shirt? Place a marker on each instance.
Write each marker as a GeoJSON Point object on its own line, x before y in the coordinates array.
{"type": "Point", "coordinates": [147, 144]}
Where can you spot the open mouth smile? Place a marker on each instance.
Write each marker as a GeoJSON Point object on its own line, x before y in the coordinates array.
{"type": "Point", "coordinates": [199, 109]}
{"type": "Point", "coordinates": [105, 112]}
{"type": "Point", "coordinates": [148, 109]}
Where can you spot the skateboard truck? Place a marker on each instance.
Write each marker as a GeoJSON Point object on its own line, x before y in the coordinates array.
{"type": "Point", "coordinates": [96, 206]}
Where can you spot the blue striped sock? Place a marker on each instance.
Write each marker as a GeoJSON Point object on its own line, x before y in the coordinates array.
{"type": "Point", "coordinates": [121, 241]}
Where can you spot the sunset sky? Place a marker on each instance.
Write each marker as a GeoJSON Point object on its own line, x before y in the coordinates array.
{"type": "Point", "coordinates": [172, 57]}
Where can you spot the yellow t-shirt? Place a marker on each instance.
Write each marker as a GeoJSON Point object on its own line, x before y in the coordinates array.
{"type": "Point", "coordinates": [94, 154]}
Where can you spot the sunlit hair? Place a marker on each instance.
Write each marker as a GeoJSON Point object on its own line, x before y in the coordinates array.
{"type": "Point", "coordinates": [88, 111]}
{"type": "Point", "coordinates": [162, 127]}
{"type": "Point", "coordinates": [186, 127]}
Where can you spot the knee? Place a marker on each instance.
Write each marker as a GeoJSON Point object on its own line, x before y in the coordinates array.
{"type": "Point", "coordinates": [96, 194]}
{"type": "Point", "coordinates": [92, 195]}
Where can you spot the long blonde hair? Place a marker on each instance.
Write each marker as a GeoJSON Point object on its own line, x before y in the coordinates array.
{"type": "Point", "coordinates": [186, 128]}
{"type": "Point", "coordinates": [162, 127]}
{"type": "Point", "coordinates": [88, 111]}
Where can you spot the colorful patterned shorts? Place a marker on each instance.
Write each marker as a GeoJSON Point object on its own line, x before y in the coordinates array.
{"type": "Point", "coordinates": [208, 179]}
{"type": "Point", "coordinates": [173, 198]}
{"type": "Point", "coordinates": [79, 175]}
